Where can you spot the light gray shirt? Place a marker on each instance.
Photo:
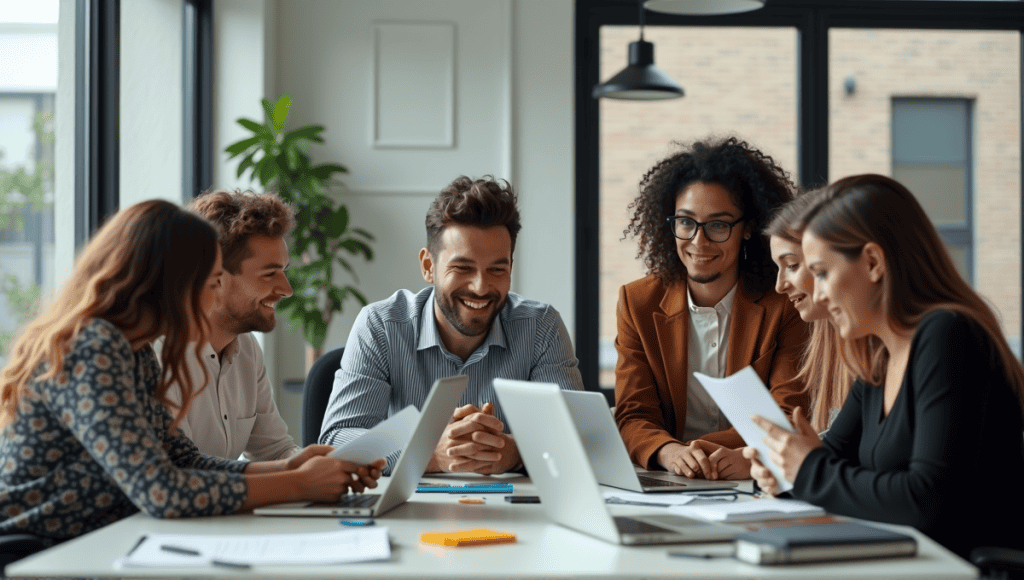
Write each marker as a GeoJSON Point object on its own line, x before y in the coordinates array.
{"type": "Point", "coordinates": [235, 415]}
{"type": "Point", "coordinates": [394, 354]}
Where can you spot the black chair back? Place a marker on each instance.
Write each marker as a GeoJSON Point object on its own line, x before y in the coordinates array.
{"type": "Point", "coordinates": [14, 547]}
{"type": "Point", "coordinates": [316, 392]}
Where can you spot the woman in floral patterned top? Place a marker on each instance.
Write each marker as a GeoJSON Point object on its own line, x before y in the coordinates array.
{"type": "Point", "coordinates": [87, 435]}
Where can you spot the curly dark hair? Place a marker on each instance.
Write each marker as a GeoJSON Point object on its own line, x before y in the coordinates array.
{"type": "Point", "coordinates": [757, 184]}
{"type": "Point", "coordinates": [241, 215]}
{"type": "Point", "coordinates": [482, 203]}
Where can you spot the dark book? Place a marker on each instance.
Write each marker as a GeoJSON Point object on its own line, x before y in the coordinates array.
{"type": "Point", "coordinates": [831, 539]}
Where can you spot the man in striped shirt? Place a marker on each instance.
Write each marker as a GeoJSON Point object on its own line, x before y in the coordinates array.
{"type": "Point", "coordinates": [466, 323]}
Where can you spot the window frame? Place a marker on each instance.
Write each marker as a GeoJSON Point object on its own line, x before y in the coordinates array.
{"type": "Point", "coordinates": [812, 19]}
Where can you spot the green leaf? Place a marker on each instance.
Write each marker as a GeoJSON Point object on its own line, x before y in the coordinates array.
{"type": "Point", "coordinates": [359, 295]}
{"type": "Point", "coordinates": [281, 109]}
{"type": "Point", "coordinates": [355, 247]}
{"type": "Point", "coordinates": [324, 171]}
{"type": "Point", "coordinates": [268, 110]}
{"type": "Point", "coordinates": [336, 223]}
{"type": "Point", "coordinates": [240, 146]}
{"type": "Point", "coordinates": [314, 328]}
{"type": "Point", "coordinates": [310, 132]}
{"type": "Point", "coordinates": [256, 128]}
{"type": "Point", "coordinates": [337, 297]}
{"type": "Point", "coordinates": [245, 163]}
{"type": "Point", "coordinates": [363, 233]}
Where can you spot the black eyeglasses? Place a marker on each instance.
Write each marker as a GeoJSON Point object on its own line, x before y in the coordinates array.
{"type": "Point", "coordinates": [686, 228]}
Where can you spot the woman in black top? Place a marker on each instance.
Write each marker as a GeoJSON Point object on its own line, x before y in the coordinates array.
{"type": "Point", "coordinates": [931, 432]}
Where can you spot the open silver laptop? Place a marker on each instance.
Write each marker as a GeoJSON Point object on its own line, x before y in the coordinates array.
{"type": "Point", "coordinates": [437, 411]}
{"type": "Point", "coordinates": [609, 456]}
{"type": "Point", "coordinates": [559, 468]}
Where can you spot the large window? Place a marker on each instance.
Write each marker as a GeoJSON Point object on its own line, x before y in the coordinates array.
{"type": "Point", "coordinates": [930, 95]}
{"type": "Point", "coordinates": [28, 88]}
{"type": "Point", "coordinates": [738, 81]}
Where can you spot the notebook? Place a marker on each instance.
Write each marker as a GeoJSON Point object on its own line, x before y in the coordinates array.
{"type": "Point", "coordinates": [564, 478]}
{"type": "Point", "coordinates": [820, 542]}
{"type": "Point", "coordinates": [437, 411]}
{"type": "Point", "coordinates": [609, 456]}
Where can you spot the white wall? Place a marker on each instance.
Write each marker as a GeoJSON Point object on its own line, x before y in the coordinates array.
{"type": "Point", "coordinates": [507, 111]}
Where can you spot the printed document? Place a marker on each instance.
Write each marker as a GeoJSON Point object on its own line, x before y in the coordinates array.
{"type": "Point", "coordinates": [173, 550]}
{"type": "Point", "coordinates": [388, 436]}
{"type": "Point", "coordinates": [740, 397]}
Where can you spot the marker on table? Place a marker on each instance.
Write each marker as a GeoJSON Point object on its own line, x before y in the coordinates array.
{"type": "Point", "coordinates": [191, 552]}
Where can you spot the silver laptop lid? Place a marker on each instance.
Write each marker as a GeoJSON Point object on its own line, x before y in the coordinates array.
{"type": "Point", "coordinates": [434, 417]}
{"type": "Point", "coordinates": [553, 453]}
{"type": "Point", "coordinates": [608, 454]}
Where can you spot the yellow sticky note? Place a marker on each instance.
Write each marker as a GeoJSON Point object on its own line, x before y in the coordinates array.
{"type": "Point", "coordinates": [479, 537]}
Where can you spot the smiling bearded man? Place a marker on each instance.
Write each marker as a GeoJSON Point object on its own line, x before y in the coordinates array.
{"type": "Point", "coordinates": [235, 413]}
{"type": "Point", "coordinates": [467, 322]}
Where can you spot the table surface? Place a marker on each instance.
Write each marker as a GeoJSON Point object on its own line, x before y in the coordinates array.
{"type": "Point", "coordinates": [543, 549]}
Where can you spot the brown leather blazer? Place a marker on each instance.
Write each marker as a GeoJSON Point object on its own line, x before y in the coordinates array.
{"type": "Point", "coordinates": [765, 332]}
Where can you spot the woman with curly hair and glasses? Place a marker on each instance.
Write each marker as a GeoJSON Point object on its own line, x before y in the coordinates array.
{"type": "Point", "coordinates": [707, 305]}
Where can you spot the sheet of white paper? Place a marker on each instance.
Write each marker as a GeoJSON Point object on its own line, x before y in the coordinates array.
{"type": "Point", "coordinates": [270, 550]}
{"type": "Point", "coordinates": [390, 435]}
{"type": "Point", "coordinates": [740, 397]}
{"type": "Point", "coordinates": [749, 511]}
{"type": "Point", "coordinates": [632, 497]}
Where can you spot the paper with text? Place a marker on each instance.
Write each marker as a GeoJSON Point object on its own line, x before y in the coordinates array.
{"type": "Point", "coordinates": [390, 435]}
{"type": "Point", "coordinates": [270, 550]}
{"type": "Point", "coordinates": [741, 396]}
{"type": "Point", "coordinates": [750, 511]}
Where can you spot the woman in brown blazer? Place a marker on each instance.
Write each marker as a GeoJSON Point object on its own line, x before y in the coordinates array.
{"type": "Point", "coordinates": [706, 305]}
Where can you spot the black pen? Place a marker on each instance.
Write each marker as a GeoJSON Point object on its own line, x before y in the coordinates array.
{"type": "Point", "coordinates": [191, 552]}
{"type": "Point", "coordinates": [179, 550]}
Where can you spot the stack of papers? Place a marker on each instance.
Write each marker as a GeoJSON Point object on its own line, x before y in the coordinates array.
{"type": "Point", "coordinates": [750, 511]}
{"type": "Point", "coordinates": [647, 499]}
{"type": "Point", "coordinates": [243, 551]}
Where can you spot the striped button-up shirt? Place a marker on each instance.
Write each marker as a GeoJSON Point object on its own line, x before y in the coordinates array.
{"type": "Point", "coordinates": [394, 354]}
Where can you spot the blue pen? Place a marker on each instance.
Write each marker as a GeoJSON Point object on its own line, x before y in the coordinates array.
{"type": "Point", "coordinates": [365, 522]}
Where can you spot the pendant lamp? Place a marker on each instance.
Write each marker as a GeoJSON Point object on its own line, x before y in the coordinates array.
{"type": "Point", "coordinates": [703, 6]}
{"type": "Point", "coordinates": [641, 80]}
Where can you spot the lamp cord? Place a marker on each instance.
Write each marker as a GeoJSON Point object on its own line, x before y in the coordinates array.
{"type": "Point", "coordinates": [640, 7]}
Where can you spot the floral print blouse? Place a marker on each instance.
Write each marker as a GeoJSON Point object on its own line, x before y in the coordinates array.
{"type": "Point", "coordinates": [92, 446]}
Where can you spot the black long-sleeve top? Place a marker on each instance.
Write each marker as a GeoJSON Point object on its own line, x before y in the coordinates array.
{"type": "Point", "coordinates": [948, 459]}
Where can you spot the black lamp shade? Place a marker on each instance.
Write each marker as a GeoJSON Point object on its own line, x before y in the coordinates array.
{"type": "Point", "coordinates": [642, 80]}
{"type": "Point", "coordinates": [703, 7]}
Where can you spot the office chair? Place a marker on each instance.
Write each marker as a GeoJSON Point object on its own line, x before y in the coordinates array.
{"type": "Point", "coordinates": [998, 563]}
{"type": "Point", "coordinates": [316, 392]}
{"type": "Point", "coordinates": [14, 547]}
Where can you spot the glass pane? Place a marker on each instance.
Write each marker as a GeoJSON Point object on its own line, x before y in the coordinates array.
{"type": "Point", "coordinates": [870, 70]}
{"type": "Point", "coordinates": [740, 81]}
{"type": "Point", "coordinates": [941, 189]}
{"type": "Point", "coordinates": [959, 255]}
{"type": "Point", "coordinates": [28, 86]}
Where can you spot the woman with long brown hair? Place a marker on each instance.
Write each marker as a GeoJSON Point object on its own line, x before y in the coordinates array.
{"type": "Point", "coordinates": [938, 400]}
{"type": "Point", "coordinates": [87, 438]}
{"type": "Point", "coordinates": [826, 380]}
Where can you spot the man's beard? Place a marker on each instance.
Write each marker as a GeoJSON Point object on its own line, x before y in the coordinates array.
{"type": "Point", "coordinates": [707, 279]}
{"type": "Point", "coordinates": [249, 321]}
{"type": "Point", "coordinates": [451, 314]}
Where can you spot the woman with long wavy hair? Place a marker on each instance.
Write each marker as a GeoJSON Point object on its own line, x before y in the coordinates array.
{"type": "Point", "coordinates": [826, 379]}
{"type": "Point", "coordinates": [87, 437]}
{"type": "Point", "coordinates": [938, 399]}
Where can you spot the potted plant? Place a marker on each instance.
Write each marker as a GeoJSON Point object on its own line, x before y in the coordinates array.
{"type": "Point", "coordinates": [281, 162]}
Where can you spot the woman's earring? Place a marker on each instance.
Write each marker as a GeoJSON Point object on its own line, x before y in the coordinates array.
{"type": "Point", "coordinates": [744, 252]}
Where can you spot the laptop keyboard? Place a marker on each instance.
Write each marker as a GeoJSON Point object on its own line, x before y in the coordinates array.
{"type": "Point", "coordinates": [631, 526]}
{"type": "Point", "coordinates": [652, 482]}
{"type": "Point", "coordinates": [359, 500]}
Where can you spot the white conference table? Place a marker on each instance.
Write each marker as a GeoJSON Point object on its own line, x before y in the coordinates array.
{"type": "Point", "coordinates": [543, 549]}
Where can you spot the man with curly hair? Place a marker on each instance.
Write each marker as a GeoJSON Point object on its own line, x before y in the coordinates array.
{"type": "Point", "coordinates": [235, 414]}
{"type": "Point", "coordinates": [707, 305]}
{"type": "Point", "coordinates": [466, 322]}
